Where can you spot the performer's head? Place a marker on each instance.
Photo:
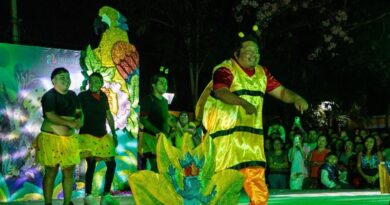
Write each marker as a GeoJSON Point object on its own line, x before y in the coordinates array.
{"type": "Point", "coordinates": [247, 52]}
{"type": "Point", "coordinates": [95, 82]}
{"type": "Point", "coordinates": [159, 84]}
{"type": "Point", "coordinates": [60, 79]}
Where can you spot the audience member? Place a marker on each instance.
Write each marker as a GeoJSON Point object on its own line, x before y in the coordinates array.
{"type": "Point", "coordinates": [278, 166]}
{"type": "Point", "coordinates": [297, 156]}
{"type": "Point", "coordinates": [331, 176]}
{"type": "Point", "coordinates": [347, 153]}
{"type": "Point", "coordinates": [317, 159]}
{"type": "Point", "coordinates": [368, 162]}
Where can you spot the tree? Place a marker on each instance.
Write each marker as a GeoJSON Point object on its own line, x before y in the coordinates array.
{"type": "Point", "coordinates": [188, 37]}
{"type": "Point", "coordinates": [331, 49]}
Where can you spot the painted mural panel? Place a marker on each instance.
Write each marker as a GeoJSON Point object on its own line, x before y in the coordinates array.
{"type": "Point", "coordinates": [24, 78]}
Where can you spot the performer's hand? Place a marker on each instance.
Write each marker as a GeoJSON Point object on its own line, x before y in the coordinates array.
{"type": "Point", "coordinates": [301, 105]}
{"type": "Point", "coordinates": [76, 124]}
{"type": "Point", "coordinates": [248, 107]}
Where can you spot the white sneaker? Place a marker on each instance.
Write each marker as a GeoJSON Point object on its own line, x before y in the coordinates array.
{"type": "Point", "coordinates": [108, 200]}
{"type": "Point", "coordinates": [90, 200]}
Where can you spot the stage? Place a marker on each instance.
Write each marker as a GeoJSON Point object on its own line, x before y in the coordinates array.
{"type": "Point", "coordinates": [283, 197]}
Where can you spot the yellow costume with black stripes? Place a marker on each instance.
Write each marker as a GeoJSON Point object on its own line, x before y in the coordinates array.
{"type": "Point", "coordinates": [237, 135]}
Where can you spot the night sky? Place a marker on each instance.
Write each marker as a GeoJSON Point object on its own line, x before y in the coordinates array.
{"type": "Point", "coordinates": [68, 24]}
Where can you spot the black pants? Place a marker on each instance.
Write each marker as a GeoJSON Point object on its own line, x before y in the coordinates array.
{"type": "Point", "coordinates": [91, 162]}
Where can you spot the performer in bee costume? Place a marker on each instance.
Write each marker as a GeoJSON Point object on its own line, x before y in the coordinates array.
{"type": "Point", "coordinates": [231, 108]}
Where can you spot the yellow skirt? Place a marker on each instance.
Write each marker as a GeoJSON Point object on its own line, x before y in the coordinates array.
{"type": "Point", "coordinates": [147, 143]}
{"type": "Point", "coordinates": [53, 150]}
{"type": "Point", "coordinates": [92, 146]}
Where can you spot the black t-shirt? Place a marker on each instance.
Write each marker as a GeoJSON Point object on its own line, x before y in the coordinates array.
{"type": "Point", "coordinates": [156, 110]}
{"type": "Point", "coordinates": [63, 105]}
{"type": "Point", "coordinates": [94, 113]}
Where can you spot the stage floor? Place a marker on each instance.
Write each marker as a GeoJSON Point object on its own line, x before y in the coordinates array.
{"type": "Point", "coordinates": [283, 197]}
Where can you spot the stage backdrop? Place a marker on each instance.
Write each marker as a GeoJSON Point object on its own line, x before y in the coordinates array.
{"type": "Point", "coordinates": [24, 78]}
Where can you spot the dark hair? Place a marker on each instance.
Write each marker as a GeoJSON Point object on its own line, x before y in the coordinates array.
{"type": "Point", "coordinates": [57, 71]}
{"type": "Point", "coordinates": [182, 113]}
{"type": "Point", "coordinates": [345, 143]}
{"type": "Point", "coordinates": [374, 149]}
{"type": "Point", "coordinates": [331, 154]}
{"type": "Point", "coordinates": [326, 138]}
{"type": "Point", "coordinates": [240, 41]}
{"type": "Point", "coordinates": [154, 78]}
{"type": "Point", "coordinates": [96, 74]}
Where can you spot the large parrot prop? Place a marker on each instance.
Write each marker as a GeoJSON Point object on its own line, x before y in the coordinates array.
{"type": "Point", "coordinates": [118, 61]}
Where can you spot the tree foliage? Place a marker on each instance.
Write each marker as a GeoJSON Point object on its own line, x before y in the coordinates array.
{"type": "Point", "coordinates": [185, 36]}
{"type": "Point", "coordinates": [334, 50]}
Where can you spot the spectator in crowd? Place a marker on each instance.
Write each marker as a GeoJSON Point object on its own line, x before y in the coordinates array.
{"type": "Point", "coordinates": [297, 156]}
{"type": "Point", "coordinates": [379, 141]}
{"type": "Point", "coordinates": [186, 126]}
{"type": "Point", "coordinates": [344, 135]}
{"type": "Point", "coordinates": [367, 163]}
{"type": "Point", "coordinates": [364, 133]}
{"type": "Point", "coordinates": [278, 166]}
{"type": "Point", "coordinates": [358, 143]}
{"type": "Point", "coordinates": [277, 130]}
{"type": "Point", "coordinates": [267, 145]}
{"type": "Point", "coordinates": [357, 139]}
{"type": "Point", "coordinates": [359, 147]}
{"type": "Point", "coordinates": [296, 129]}
{"type": "Point", "coordinates": [347, 153]}
{"type": "Point", "coordinates": [337, 146]}
{"type": "Point", "coordinates": [317, 159]}
{"type": "Point", "coordinates": [356, 132]}
{"type": "Point", "coordinates": [354, 177]}
{"type": "Point", "coordinates": [312, 139]}
{"type": "Point", "coordinates": [174, 131]}
{"type": "Point", "coordinates": [331, 176]}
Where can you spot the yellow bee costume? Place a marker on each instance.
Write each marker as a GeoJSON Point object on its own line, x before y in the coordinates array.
{"type": "Point", "coordinates": [238, 137]}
